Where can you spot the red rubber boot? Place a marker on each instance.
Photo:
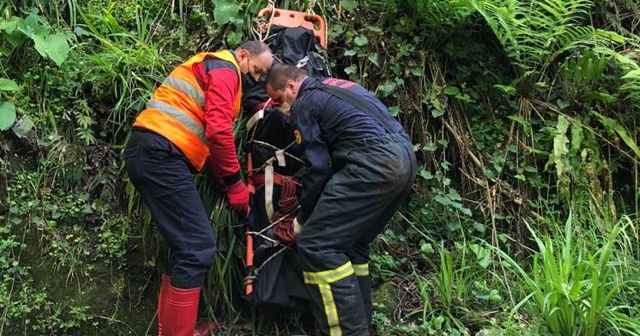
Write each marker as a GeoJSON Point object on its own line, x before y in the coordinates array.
{"type": "Point", "coordinates": [179, 311]}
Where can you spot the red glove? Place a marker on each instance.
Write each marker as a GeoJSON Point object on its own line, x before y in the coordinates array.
{"type": "Point", "coordinates": [238, 196]}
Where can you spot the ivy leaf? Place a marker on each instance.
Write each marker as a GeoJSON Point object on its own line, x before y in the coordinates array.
{"type": "Point", "coordinates": [350, 52]}
{"type": "Point", "coordinates": [8, 85]}
{"type": "Point", "coordinates": [351, 69]}
{"type": "Point", "coordinates": [425, 174]}
{"type": "Point", "coordinates": [361, 40]}
{"type": "Point", "coordinates": [454, 195]}
{"type": "Point", "coordinates": [443, 200]}
{"type": "Point", "coordinates": [394, 110]}
{"type": "Point", "coordinates": [373, 58]}
{"type": "Point", "coordinates": [348, 5]}
{"type": "Point", "coordinates": [54, 46]}
{"type": "Point", "coordinates": [224, 11]}
{"type": "Point", "coordinates": [7, 115]}
{"type": "Point", "coordinates": [430, 147]}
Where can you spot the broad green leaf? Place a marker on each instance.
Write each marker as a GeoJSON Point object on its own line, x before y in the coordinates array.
{"type": "Point", "coordinates": [8, 26]}
{"type": "Point", "coordinates": [479, 227]}
{"type": "Point", "coordinates": [417, 72]}
{"type": "Point", "coordinates": [451, 91]}
{"type": "Point", "coordinates": [426, 174]}
{"type": "Point", "coordinates": [15, 39]}
{"type": "Point", "coordinates": [576, 137]}
{"type": "Point", "coordinates": [361, 40]}
{"type": "Point", "coordinates": [506, 88]}
{"type": "Point", "coordinates": [348, 5]}
{"type": "Point", "coordinates": [386, 88]}
{"type": "Point", "coordinates": [490, 174]}
{"type": "Point", "coordinates": [443, 200]}
{"type": "Point", "coordinates": [234, 38]}
{"type": "Point", "coordinates": [7, 115]}
{"type": "Point", "coordinates": [351, 69]}
{"type": "Point", "coordinates": [394, 111]}
{"type": "Point", "coordinates": [562, 104]}
{"type": "Point", "coordinates": [374, 29]}
{"type": "Point", "coordinates": [436, 113]}
{"type": "Point", "coordinates": [350, 52]}
{"type": "Point", "coordinates": [8, 85]}
{"type": "Point", "coordinates": [430, 147]}
{"type": "Point", "coordinates": [224, 11]}
{"type": "Point", "coordinates": [454, 195]}
{"type": "Point", "coordinates": [454, 225]}
{"type": "Point", "coordinates": [560, 142]}
{"type": "Point", "coordinates": [55, 47]}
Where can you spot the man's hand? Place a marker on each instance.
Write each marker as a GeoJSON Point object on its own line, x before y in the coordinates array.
{"type": "Point", "coordinates": [297, 228]}
{"type": "Point", "coordinates": [238, 196]}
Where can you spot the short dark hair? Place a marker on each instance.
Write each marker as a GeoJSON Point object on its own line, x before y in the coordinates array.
{"type": "Point", "coordinates": [280, 73]}
{"type": "Point", "coordinates": [255, 47]}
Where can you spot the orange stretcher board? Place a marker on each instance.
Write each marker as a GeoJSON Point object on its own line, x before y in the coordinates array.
{"type": "Point", "coordinates": [287, 18]}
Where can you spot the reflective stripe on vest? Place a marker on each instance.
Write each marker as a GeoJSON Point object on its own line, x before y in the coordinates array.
{"type": "Point", "coordinates": [176, 109]}
{"type": "Point", "coordinates": [179, 116]}
{"type": "Point", "coordinates": [186, 88]}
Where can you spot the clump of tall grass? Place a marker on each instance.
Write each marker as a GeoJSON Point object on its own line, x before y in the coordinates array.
{"type": "Point", "coordinates": [576, 279]}
{"type": "Point", "coordinates": [128, 63]}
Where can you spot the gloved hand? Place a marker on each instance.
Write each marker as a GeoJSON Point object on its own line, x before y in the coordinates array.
{"type": "Point", "coordinates": [238, 196]}
{"type": "Point", "coordinates": [297, 228]}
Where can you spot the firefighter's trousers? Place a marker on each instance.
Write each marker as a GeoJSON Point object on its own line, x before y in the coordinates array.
{"type": "Point", "coordinates": [372, 179]}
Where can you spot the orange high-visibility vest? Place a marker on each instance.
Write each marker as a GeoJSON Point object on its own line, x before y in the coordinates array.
{"type": "Point", "coordinates": [176, 109]}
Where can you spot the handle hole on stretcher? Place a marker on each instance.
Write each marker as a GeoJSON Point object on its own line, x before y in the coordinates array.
{"type": "Point", "coordinates": [293, 19]}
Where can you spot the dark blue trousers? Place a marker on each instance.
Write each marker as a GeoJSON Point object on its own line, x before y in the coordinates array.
{"type": "Point", "coordinates": [164, 178]}
{"type": "Point", "coordinates": [372, 178]}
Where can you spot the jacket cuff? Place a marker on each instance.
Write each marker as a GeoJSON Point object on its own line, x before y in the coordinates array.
{"type": "Point", "coordinates": [232, 179]}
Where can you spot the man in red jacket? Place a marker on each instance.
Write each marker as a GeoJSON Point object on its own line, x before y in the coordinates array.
{"type": "Point", "coordinates": [186, 125]}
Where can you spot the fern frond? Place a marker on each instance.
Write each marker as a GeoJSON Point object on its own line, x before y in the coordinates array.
{"type": "Point", "coordinates": [534, 33]}
{"type": "Point", "coordinates": [441, 15]}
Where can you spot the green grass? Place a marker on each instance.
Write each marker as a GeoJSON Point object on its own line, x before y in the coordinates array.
{"type": "Point", "coordinates": [575, 281]}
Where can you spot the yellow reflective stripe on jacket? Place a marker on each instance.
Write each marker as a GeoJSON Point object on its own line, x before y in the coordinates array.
{"type": "Point", "coordinates": [361, 269]}
{"type": "Point", "coordinates": [325, 277]}
{"type": "Point", "coordinates": [186, 88]}
{"type": "Point", "coordinates": [180, 116]}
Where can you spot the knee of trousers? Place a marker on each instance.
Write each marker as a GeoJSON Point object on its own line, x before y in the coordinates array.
{"type": "Point", "coordinates": [195, 259]}
{"type": "Point", "coordinates": [319, 258]}
{"type": "Point", "coordinates": [206, 257]}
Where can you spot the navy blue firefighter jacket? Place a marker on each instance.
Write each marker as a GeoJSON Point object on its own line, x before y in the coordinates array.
{"type": "Point", "coordinates": [323, 122]}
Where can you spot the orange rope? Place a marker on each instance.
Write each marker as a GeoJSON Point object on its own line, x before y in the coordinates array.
{"type": "Point", "coordinates": [287, 204]}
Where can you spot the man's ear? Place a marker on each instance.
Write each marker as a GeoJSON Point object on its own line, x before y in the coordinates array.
{"type": "Point", "coordinates": [244, 53]}
{"type": "Point", "coordinates": [291, 84]}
